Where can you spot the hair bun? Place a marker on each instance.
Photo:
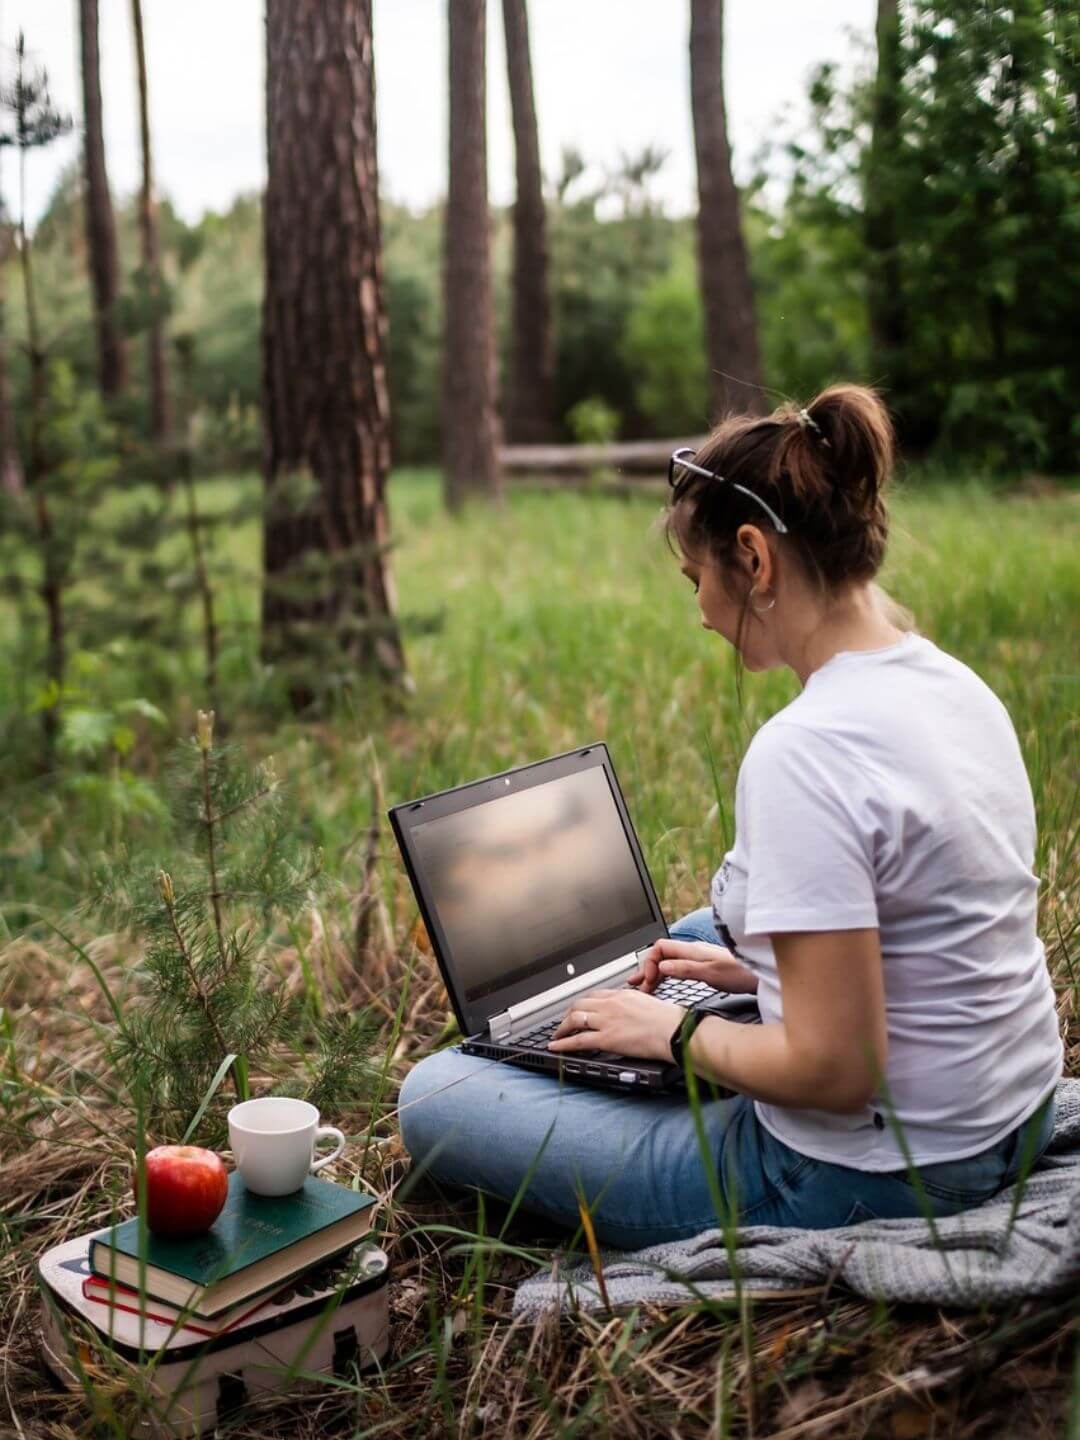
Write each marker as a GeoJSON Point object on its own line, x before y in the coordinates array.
{"type": "Point", "coordinates": [822, 468]}
{"type": "Point", "coordinates": [840, 451]}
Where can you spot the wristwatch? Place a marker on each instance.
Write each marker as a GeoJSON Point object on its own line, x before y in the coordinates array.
{"type": "Point", "coordinates": [681, 1036]}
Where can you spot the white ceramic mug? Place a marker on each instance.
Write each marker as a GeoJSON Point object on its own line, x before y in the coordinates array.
{"type": "Point", "coordinates": [273, 1143]}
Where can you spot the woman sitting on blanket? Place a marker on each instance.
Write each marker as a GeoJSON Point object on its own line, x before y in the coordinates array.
{"type": "Point", "coordinates": [879, 899]}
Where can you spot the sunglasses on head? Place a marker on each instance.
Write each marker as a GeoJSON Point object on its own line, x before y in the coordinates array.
{"type": "Point", "coordinates": [681, 468]}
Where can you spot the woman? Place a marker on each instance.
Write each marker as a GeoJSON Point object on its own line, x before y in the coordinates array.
{"type": "Point", "coordinates": [879, 899]}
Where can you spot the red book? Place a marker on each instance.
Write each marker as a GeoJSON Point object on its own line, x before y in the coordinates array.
{"type": "Point", "coordinates": [122, 1297]}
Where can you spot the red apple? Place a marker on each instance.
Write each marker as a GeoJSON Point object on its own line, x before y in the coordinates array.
{"type": "Point", "coordinates": [186, 1188]}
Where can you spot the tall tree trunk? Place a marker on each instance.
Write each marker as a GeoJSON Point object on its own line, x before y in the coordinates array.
{"type": "Point", "coordinates": [11, 475]}
{"type": "Point", "coordinates": [100, 226]}
{"type": "Point", "coordinates": [730, 320]}
{"type": "Point", "coordinates": [326, 406]}
{"type": "Point", "coordinates": [529, 405]}
{"type": "Point", "coordinates": [160, 402]}
{"type": "Point", "coordinates": [52, 591]}
{"type": "Point", "coordinates": [470, 421]}
{"type": "Point", "coordinates": [888, 320]}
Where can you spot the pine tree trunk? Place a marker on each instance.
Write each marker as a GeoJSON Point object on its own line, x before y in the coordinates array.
{"type": "Point", "coordinates": [885, 300]}
{"type": "Point", "coordinates": [160, 402]}
{"type": "Point", "coordinates": [326, 408]}
{"type": "Point", "coordinates": [52, 592]}
{"type": "Point", "coordinates": [529, 405]}
{"type": "Point", "coordinates": [100, 226]}
{"type": "Point", "coordinates": [470, 421]}
{"type": "Point", "coordinates": [727, 290]}
{"type": "Point", "coordinates": [11, 473]}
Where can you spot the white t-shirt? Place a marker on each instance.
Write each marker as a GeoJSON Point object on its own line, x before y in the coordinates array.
{"type": "Point", "coordinates": [891, 793]}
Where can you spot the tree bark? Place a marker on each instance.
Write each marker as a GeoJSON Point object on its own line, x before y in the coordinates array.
{"type": "Point", "coordinates": [160, 402]}
{"type": "Point", "coordinates": [885, 300]}
{"type": "Point", "coordinates": [470, 421]}
{"type": "Point", "coordinates": [11, 473]}
{"type": "Point", "coordinates": [727, 289]}
{"type": "Point", "coordinates": [529, 405]}
{"type": "Point", "coordinates": [326, 407]}
{"type": "Point", "coordinates": [52, 590]}
{"type": "Point", "coordinates": [100, 225]}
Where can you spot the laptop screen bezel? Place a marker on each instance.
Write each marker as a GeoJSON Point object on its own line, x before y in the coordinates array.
{"type": "Point", "coordinates": [473, 1016]}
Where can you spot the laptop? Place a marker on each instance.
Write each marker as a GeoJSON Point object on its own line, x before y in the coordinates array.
{"type": "Point", "coordinates": [534, 891]}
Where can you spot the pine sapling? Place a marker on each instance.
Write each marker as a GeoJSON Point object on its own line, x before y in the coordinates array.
{"type": "Point", "coordinates": [208, 1002]}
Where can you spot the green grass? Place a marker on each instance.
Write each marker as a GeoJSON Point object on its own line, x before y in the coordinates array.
{"type": "Point", "coordinates": [561, 618]}
{"type": "Point", "coordinates": [532, 628]}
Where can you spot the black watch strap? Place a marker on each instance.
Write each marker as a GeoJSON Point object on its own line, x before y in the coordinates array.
{"type": "Point", "coordinates": [681, 1036]}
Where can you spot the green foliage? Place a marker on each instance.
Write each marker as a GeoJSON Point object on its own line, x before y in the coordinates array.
{"type": "Point", "coordinates": [598, 267]}
{"type": "Point", "coordinates": [665, 348]}
{"type": "Point", "coordinates": [811, 302]}
{"type": "Point", "coordinates": [412, 267]}
{"type": "Point", "coordinates": [218, 294]}
{"type": "Point", "coordinates": [34, 120]}
{"type": "Point", "coordinates": [205, 990]}
{"type": "Point", "coordinates": [979, 184]}
{"type": "Point", "coordinates": [105, 539]}
{"type": "Point", "coordinates": [981, 193]}
{"type": "Point", "coordinates": [45, 530]}
{"type": "Point", "coordinates": [592, 421]}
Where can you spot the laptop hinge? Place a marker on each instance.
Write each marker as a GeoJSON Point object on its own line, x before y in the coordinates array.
{"type": "Point", "coordinates": [499, 1026]}
{"type": "Point", "coordinates": [541, 1007]}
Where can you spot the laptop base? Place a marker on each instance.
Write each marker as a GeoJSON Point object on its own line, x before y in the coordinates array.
{"type": "Point", "coordinates": [626, 1073]}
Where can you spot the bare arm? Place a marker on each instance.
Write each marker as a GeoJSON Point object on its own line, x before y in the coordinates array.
{"type": "Point", "coordinates": [829, 1051]}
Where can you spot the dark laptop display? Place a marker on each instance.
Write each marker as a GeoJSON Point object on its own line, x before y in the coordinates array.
{"type": "Point", "coordinates": [536, 877]}
{"type": "Point", "coordinates": [533, 890]}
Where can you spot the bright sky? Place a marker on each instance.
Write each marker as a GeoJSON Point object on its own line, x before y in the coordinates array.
{"type": "Point", "coordinates": [611, 76]}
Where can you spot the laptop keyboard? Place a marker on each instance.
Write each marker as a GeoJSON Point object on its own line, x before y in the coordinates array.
{"type": "Point", "coordinates": [685, 992]}
{"type": "Point", "coordinates": [679, 992]}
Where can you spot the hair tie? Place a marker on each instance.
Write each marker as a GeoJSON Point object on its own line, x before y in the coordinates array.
{"type": "Point", "coordinates": [803, 418]}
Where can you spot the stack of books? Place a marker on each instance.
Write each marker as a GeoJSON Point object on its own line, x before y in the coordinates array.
{"type": "Point", "coordinates": [278, 1289]}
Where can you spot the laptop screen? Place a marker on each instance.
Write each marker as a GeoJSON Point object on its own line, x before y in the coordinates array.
{"type": "Point", "coordinates": [532, 878]}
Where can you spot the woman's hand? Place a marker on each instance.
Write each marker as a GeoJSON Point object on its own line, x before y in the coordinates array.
{"type": "Point", "coordinates": [621, 1020]}
{"type": "Point", "coordinates": [693, 960]}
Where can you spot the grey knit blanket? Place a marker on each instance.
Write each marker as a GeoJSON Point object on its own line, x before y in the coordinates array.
{"type": "Point", "coordinates": [1014, 1246]}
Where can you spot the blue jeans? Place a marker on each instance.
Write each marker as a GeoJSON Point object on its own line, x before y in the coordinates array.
{"type": "Point", "coordinates": [481, 1124]}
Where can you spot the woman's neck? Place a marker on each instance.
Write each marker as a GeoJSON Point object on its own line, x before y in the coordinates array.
{"type": "Point", "coordinates": [854, 621]}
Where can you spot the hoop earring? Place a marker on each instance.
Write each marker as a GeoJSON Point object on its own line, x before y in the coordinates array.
{"type": "Point", "coordinates": [764, 608]}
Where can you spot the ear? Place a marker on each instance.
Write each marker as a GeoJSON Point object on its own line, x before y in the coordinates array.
{"type": "Point", "coordinates": [755, 556]}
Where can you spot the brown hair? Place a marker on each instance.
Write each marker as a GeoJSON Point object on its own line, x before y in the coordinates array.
{"type": "Point", "coordinates": [822, 469]}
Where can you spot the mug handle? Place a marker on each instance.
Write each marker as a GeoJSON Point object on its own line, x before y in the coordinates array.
{"type": "Point", "coordinates": [320, 1133]}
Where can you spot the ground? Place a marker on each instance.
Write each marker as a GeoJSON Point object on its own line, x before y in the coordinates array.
{"type": "Point", "coordinates": [556, 620]}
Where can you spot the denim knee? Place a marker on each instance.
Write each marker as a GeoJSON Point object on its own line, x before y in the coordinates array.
{"type": "Point", "coordinates": [420, 1114]}
{"type": "Point", "coordinates": [696, 925]}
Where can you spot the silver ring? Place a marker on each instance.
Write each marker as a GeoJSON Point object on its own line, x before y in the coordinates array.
{"type": "Point", "coordinates": [585, 1019]}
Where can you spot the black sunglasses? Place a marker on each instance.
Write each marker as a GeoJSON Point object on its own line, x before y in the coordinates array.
{"type": "Point", "coordinates": [680, 469]}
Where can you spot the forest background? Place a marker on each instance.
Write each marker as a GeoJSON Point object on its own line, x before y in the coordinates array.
{"type": "Point", "coordinates": [216, 497]}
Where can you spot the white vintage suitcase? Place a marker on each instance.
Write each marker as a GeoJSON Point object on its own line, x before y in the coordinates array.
{"type": "Point", "coordinates": [333, 1319]}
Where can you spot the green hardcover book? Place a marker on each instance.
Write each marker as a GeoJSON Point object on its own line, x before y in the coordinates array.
{"type": "Point", "coordinates": [257, 1243]}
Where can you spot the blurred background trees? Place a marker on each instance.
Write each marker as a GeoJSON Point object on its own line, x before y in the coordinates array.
{"type": "Point", "coordinates": [470, 416]}
{"type": "Point", "coordinates": [148, 279]}
{"type": "Point", "coordinates": [956, 166]}
{"type": "Point", "coordinates": [97, 207]}
{"type": "Point", "coordinates": [922, 236]}
{"type": "Point", "coordinates": [528, 401]}
{"type": "Point", "coordinates": [726, 287]}
{"type": "Point", "coordinates": [920, 233]}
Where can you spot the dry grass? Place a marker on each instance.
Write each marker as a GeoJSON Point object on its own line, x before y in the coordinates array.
{"type": "Point", "coordinates": [827, 1366]}
{"type": "Point", "coordinates": [562, 622]}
